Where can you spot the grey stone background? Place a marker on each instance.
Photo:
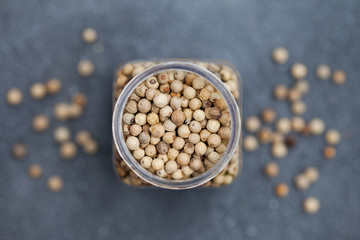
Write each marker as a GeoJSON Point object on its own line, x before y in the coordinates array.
{"type": "Point", "coordinates": [41, 39]}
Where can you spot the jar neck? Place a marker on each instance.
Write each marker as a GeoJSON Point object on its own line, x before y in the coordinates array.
{"type": "Point", "coordinates": [135, 166]}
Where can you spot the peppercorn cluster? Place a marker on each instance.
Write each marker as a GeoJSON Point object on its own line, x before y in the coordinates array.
{"type": "Point", "coordinates": [176, 124]}
{"type": "Point", "coordinates": [287, 130]}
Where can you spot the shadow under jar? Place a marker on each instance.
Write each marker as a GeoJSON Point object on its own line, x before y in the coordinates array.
{"type": "Point", "coordinates": [177, 123]}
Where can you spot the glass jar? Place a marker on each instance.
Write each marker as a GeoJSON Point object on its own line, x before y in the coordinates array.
{"type": "Point", "coordinates": [221, 75]}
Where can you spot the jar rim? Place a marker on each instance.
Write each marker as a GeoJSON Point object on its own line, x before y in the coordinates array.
{"type": "Point", "coordinates": [135, 166]}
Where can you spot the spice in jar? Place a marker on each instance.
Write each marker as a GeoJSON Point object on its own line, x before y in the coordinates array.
{"type": "Point", "coordinates": [185, 121]}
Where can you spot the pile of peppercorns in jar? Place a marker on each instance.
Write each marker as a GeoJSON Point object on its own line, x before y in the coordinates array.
{"type": "Point", "coordinates": [176, 124]}
{"type": "Point", "coordinates": [284, 135]}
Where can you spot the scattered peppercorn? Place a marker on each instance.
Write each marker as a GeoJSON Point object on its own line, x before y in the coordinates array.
{"type": "Point", "coordinates": [14, 96]}
{"type": "Point", "coordinates": [323, 72]}
{"type": "Point", "coordinates": [85, 68]}
{"type": "Point", "coordinates": [89, 35]}
{"type": "Point", "coordinates": [280, 55]}
{"type": "Point", "coordinates": [40, 123]}
{"type": "Point", "coordinates": [339, 77]}
{"type": "Point", "coordinates": [19, 150]}
{"type": "Point", "coordinates": [271, 169]}
{"type": "Point", "coordinates": [311, 205]}
{"type": "Point", "coordinates": [35, 171]}
{"type": "Point", "coordinates": [55, 183]}
{"type": "Point", "coordinates": [329, 152]}
{"type": "Point", "coordinates": [281, 190]}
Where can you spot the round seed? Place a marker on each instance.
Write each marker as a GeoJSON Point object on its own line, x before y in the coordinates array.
{"type": "Point", "coordinates": [157, 164]}
{"type": "Point", "coordinates": [280, 55]}
{"type": "Point", "coordinates": [62, 111]}
{"type": "Point", "coordinates": [198, 83]}
{"type": "Point", "coordinates": [38, 91]}
{"type": "Point", "coordinates": [250, 143]}
{"type": "Point", "coordinates": [89, 35]}
{"type": "Point", "coordinates": [85, 68]}
{"type": "Point", "coordinates": [280, 92]}
{"type": "Point", "coordinates": [279, 150]}
{"type": "Point", "coordinates": [19, 150]}
{"type": "Point", "coordinates": [298, 71]}
{"type": "Point", "coordinates": [323, 72]}
{"type": "Point", "coordinates": [265, 135]}
{"type": "Point", "coordinates": [178, 117]}
{"type": "Point", "coordinates": [316, 126]}
{"type": "Point", "coordinates": [298, 107]}
{"type": "Point", "coordinates": [281, 190]}
{"type": "Point", "coordinates": [82, 137]}
{"type": "Point", "coordinates": [91, 147]}
{"type": "Point", "coordinates": [339, 77]}
{"type": "Point", "coordinates": [271, 169]}
{"type": "Point", "coordinates": [40, 123]}
{"type": "Point", "coordinates": [183, 159]}
{"type": "Point", "coordinates": [55, 183]}
{"type": "Point", "coordinates": [132, 143]}
{"type": "Point", "coordinates": [312, 174]}
{"type": "Point", "coordinates": [178, 174]}
{"type": "Point", "coordinates": [329, 152]}
{"type": "Point", "coordinates": [268, 115]}
{"type": "Point", "coordinates": [200, 148]}
{"type": "Point", "coordinates": [35, 171]}
{"type": "Point", "coordinates": [283, 125]}
{"type": "Point", "coordinates": [146, 162]}
{"type": "Point", "coordinates": [253, 124]}
{"type": "Point", "coordinates": [171, 166]}
{"type": "Point", "coordinates": [301, 182]}
{"type": "Point", "coordinates": [68, 150]}
{"type": "Point", "coordinates": [214, 140]}
{"type": "Point", "coordinates": [213, 126]}
{"type": "Point", "coordinates": [14, 97]}
{"type": "Point", "coordinates": [332, 137]}
{"type": "Point", "coordinates": [297, 124]}
{"type": "Point", "coordinates": [302, 86]}
{"type": "Point", "coordinates": [311, 205]}
{"type": "Point", "coordinates": [62, 134]}
{"type": "Point", "coordinates": [161, 100]}
{"type": "Point", "coordinates": [176, 86]}
{"type": "Point", "coordinates": [144, 105]}
{"type": "Point", "coordinates": [79, 99]}
{"type": "Point", "coordinates": [53, 86]}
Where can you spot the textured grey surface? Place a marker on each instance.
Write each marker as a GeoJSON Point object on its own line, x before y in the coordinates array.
{"type": "Point", "coordinates": [41, 39]}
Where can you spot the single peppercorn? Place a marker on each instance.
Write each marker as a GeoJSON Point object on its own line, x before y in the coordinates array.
{"type": "Point", "coordinates": [339, 77]}
{"type": "Point", "coordinates": [280, 55]}
{"type": "Point", "coordinates": [311, 205]}
{"type": "Point", "coordinates": [19, 150]}
{"type": "Point", "coordinates": [89, 35]}
{"type": "Point", "coordinates": [281, 190]}
{"type": "Point", "coordinates": [40, 123]}
{"type": "Point", "coordinates": [35, 171]}
{"type": "Point", "coordinates": [298, 71]}
{"type": "Point", "coordinates": [85, 68]}
{"type": "Point", "coordinates": [55, 183]}
{"type": "Point", "coordinates": [271, 169]}
{"type": "Point", "coordinates": [14, 96]}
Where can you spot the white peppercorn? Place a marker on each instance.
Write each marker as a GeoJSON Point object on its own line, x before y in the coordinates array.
{"type": "Point", "coordinates": [200, 148]}
{"type": "Point", "coordinates": [283, 125]}
{"type": "Point", "coordinates": [144, 138]}
{"type": "Point", "coordinates": [189, 148]}
{"type": "Point", "coordinates": [198, 83]}
{"type": "Point", "coordinates": [189, 93]}
{"type": "Point", "coordinates": [279, 150]}
{"type": "Point", "coordinates": [171, 166]}
{"type": "Point", "coordinates": [128, 118]}
{"type": "Point", "coordinates": [140, 119]}
{"type": "Point", "coordinates": [316, 126]}
{"type": "Point", "coordinates": [298, 71]}
{"type": "Point", "coordinates": [178, 174]}
{"type": "Point", "coordinates": [176, 86]}
{"type": "Point", "coordinates": [150, 150]}
{"type": "Point", "coordinates": [252, 124]}
{"type": "Point", "coordinates": [138, 154]}
{"type": "Point", "coordinates": [132, 143]}
{"type": "Point", "coordinates": [160, 100]}
{"type": "Point", "coordinates": [175, 103]}
{"type": "Point", "coordinates": [152, 119]}
{"type": "Point", "coordinates": [172, 153]}
{"type": "Point", "coordinates": [280, 55]}
{"type": "Point", "coordinates": [144, 105]}
{"type": "Point", "coordinates": [166, 112]}
{"type": "Point", "coordinates": [135, 130]}
{"type": "Point", "coordinates": [183, 159]}
{"type": "Point", "coordinates": [332, 137]}
{"type": "Point", "coordinates": [194, 138]}
{"type": "Point", "coordinates": [169, 125]}
{"type": "Point", "coordinates": [169, 137]}
{"type": "Point", "coordinates": [195, 104]}
{"type": "Point", "coordinates": [213, 125]}
{"type": "Point", "coordinates": [183, 131]}
{"type": "Point", "coordinates": [178, 143]}
{"type": "Point", "coordinates": [178, 117]}
{"type": "Point", "coordinates": [250, 143]}
{"type": "Point", "coordinates": [152, 82]}
{"type": "Point", "coordinates": [323, 72]}
{"type": "Point", "coordinates": [146, 162]}
{"type": "Point", "coordinates": [214, 140]}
